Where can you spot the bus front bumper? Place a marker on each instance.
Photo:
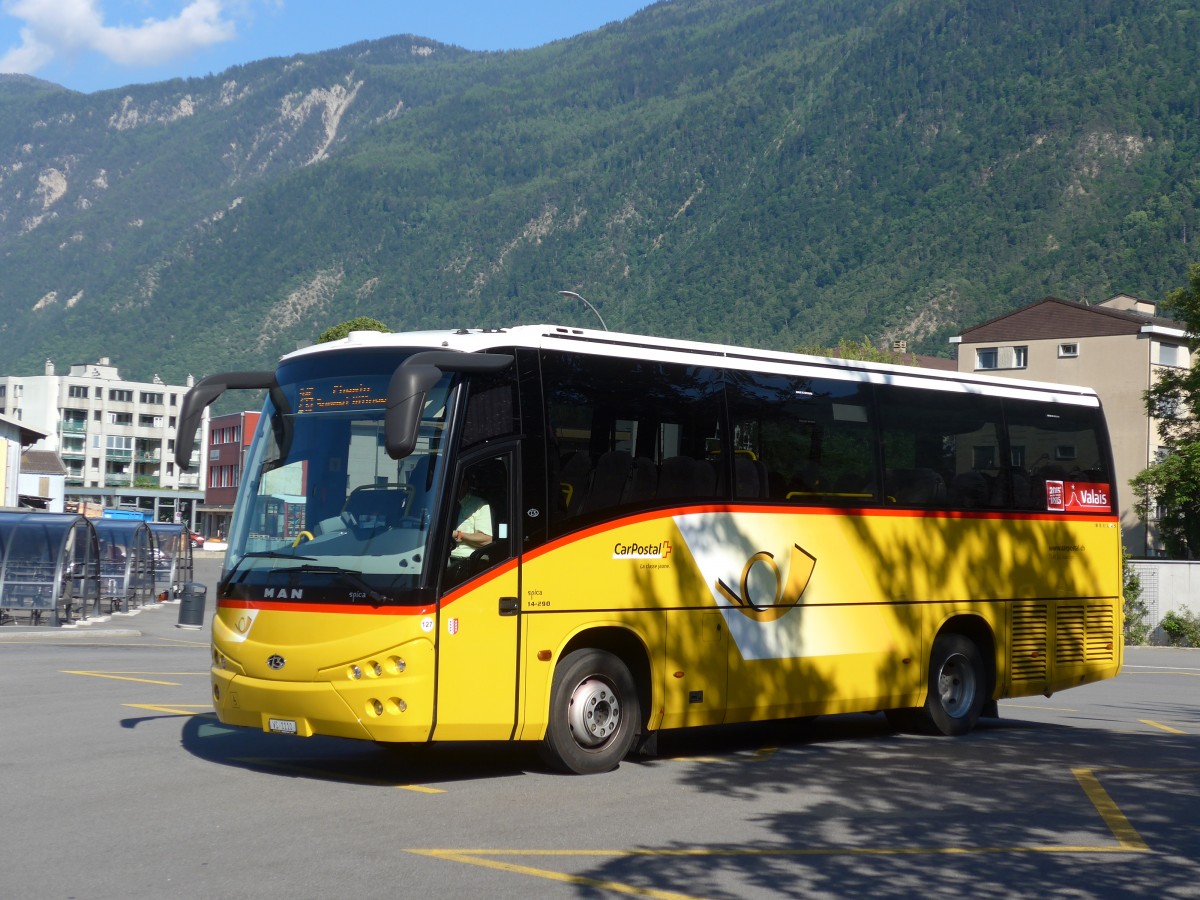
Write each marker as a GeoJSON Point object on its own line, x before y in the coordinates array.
{"type": "Point", "coordinates": [362, 711]}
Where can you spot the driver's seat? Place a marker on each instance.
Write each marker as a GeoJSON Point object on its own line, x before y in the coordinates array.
{"type": "Point", "coordinates": [375, 507]}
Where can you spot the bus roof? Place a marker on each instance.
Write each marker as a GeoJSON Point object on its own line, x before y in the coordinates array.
{"type": "Point", "coordinates": [633, 346]}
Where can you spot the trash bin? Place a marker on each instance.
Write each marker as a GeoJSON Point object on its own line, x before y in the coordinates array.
{"type": "Point", "coordinates": [191, 605]}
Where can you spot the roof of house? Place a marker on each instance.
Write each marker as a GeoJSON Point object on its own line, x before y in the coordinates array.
{"type": "Point", "coordinates": [41, 462]}
{"type": "Point", "coordinates": [1052, 318]}
{"type": "Point", "coordinates": [28, 435]}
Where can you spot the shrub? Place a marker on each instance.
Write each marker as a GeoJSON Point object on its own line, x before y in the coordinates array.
{"type": "Point", "coordinates": [1137, 628]}
{"type": "Point", "coordinates": [1182, 628]}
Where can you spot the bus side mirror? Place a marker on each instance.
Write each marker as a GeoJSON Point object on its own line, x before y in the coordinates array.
{"type": "Point", "coordinates": [201, 396]}
{"type": "Point", "coordinates": [412, 381]}
{"type": "Point", "coordinates": [405, 403]}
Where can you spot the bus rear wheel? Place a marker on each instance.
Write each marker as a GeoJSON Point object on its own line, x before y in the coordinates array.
{"type": "Point", "coordinates": [956, 684]}
{"type": "Point", "coordinates": [955, 698]}
{"type": "Point", "coordinates": [594, 713]}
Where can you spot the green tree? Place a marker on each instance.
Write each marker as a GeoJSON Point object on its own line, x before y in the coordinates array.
{"type": "Point", "coordinates": [362, 323]}
{"type": "Point", "coordinates": [1172, 484]}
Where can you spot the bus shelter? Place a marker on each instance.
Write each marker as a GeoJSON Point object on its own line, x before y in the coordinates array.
{"type": "Point", "coordinates": [49, 567]}
{"type": "Point", "coordinates": [126, 564]}
{"type": "Point", "coordinates": [172, 559]}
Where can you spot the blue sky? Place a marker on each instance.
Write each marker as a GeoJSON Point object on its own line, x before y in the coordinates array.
{"type": "Point", "coordinates": [92, 45]}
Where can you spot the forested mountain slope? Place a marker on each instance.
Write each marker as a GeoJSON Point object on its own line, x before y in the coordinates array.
{"type": "Point", "coordinates": [769, 172]}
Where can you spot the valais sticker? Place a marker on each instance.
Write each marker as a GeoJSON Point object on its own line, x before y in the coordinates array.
{"type": "Point", "coordinates": [1078, 496]}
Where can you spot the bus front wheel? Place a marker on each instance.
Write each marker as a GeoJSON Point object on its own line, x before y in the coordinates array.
{"type": "Point", "coordinates": [594, 713]}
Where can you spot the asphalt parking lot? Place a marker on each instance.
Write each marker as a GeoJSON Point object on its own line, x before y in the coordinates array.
{"type": "Point", "coordinates": [118, 782]}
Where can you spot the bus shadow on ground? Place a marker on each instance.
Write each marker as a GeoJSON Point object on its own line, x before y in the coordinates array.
{"type": "Point", "coordinates": [347, 761]}
{"type": "Point", "coordinates": [362, 762]}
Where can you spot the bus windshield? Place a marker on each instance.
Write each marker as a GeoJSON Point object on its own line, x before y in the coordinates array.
{"type": "Point", "coordinates": [323, 514]}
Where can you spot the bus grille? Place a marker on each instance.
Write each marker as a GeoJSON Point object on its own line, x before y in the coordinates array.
{"type": "Point", "coordinates": [1084, 634]}
{"type": "Point", "coordinates": [1070, 635]}
{"type": "Point", "coordinates": [1027, 653]}
{"type": "Point", "coordinates": [1100, 637]}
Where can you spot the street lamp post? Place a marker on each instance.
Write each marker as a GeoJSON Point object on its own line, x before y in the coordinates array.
{"type": "Point", "coordinates": [588, 305]}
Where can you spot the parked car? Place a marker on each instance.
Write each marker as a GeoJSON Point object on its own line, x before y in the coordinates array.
{"type": "Point", "coordinates": [197, 539]}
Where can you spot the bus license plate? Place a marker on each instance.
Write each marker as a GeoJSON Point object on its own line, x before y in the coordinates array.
{"type": "Point", "coordinates": [282, 726]}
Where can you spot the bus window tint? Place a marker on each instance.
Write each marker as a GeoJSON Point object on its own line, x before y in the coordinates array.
{"type": "Point", "coordinates": [1054, 443]}
{"type": "Point", "coordinates": [491, 411]}
{"type": "Point", "coordinates": [943, 450]}
{"type": "Point", "coordinates": [630, 435]}
{"type": "Point", "coordinates": [801, 440]}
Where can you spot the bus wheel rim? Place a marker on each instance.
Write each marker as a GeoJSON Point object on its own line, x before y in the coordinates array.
{"type": "Point", "coordinates": [595, 712]}
{"type": "Point", "coordinates": [956, 685]}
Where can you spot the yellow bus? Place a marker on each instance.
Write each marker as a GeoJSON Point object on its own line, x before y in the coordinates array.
{"type": "Point", "coordinates": [582, 538]}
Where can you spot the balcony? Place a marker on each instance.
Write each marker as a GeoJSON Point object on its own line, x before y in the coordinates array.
{"type": "Point", "coordinates": [72, 427]}
{"type": "Point", "coordinates": [126, 455]}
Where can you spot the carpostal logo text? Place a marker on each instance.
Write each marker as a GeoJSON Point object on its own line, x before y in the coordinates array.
{"type": "Point", "coordinates": [660, 550]}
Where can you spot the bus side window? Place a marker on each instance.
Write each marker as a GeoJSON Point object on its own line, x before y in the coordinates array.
{"type": "Point", "coordinates": [799, 439]}
{"type": "Point", "coordinates": [481, 523]}
{"type": "Point", "coordinates": [1051, 444]}
{"type": "Point", "coordinates": [629, 435]}
{"type": "Point", "coordinates": [943, 450]}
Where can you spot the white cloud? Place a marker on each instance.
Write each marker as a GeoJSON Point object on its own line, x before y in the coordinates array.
{"type": "Point", "coordinates": [56, 29]}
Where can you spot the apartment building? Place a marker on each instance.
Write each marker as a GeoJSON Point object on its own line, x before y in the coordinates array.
{"type": "Point", "coordinates": [116, 438]}
{"type": "Point", "coordinates": [225, 454]}
{"type": "Point", "coordinates": [1116, 348]}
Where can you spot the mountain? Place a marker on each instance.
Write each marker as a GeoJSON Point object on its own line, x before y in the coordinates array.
{"type": "Point", "coordinates": [765, 172]}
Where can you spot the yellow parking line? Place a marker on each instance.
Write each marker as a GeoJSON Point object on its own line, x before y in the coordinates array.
{"type": "Point", "coordinates": [1167, 728]}
{"type": "Point", "coordinates": [1125, 833]}
{"type": "Point", "coordinates": [1127, 837]}
{"type": "Point", "coordinates": [117, 677]}
{"type": "Point", "coordinates": [469, 858]}
{"type": "Point", "coordinates": [182, 709]}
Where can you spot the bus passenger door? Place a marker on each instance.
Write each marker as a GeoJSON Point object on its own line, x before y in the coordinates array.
{"type": "Point", "coordinates": [479, 620]}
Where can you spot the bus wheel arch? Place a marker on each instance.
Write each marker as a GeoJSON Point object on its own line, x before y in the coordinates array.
{"type": "Point", "coordinates": [598, 698]}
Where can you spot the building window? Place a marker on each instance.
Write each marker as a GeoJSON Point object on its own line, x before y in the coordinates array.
{"type": "Point", "coordinates": [149, 397]}
{"type": "Point", "coordinates": [120, 396]}
{"type": "Point", "coordinates": [1001, 358]}
{"type": "Point", "coordinates": [1068, 351]}
{"type": "Point", "coordinates": [1172, 355]}
{"type": "Point", "coordinates": [116, 418]}
{"type": "Point", "coordinates": [77, 390]}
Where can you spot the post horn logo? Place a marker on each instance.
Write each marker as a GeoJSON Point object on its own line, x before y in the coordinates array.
{"type": "Point", "coordinates": [755, 604]}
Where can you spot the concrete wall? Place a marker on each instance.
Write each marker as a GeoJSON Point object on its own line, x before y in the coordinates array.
{"type": "Point", "coordinates": [1167, 585]}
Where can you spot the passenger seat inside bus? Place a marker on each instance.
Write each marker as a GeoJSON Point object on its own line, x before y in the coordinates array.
{"type": "Point", "coordinates": [915, 487]}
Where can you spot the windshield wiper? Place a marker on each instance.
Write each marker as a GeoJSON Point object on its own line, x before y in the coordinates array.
{"type": "Point", "coordinates": [257, 554]}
